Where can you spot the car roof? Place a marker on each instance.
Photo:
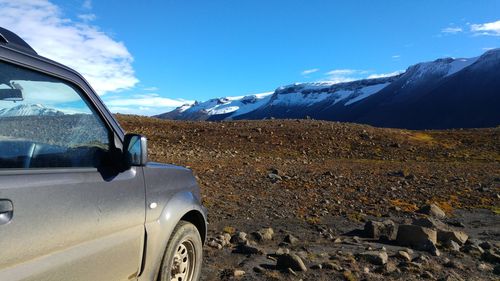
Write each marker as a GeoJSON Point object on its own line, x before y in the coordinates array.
{"type": "Point", "coordinates": [11, 39]}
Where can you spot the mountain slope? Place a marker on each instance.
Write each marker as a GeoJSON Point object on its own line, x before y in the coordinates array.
{"type": "Point", "coordinates": [445, 93]}
{"type": "Point", "coordinates": [28, 109]}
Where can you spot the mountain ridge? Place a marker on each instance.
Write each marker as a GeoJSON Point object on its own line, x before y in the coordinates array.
{"type": "Point", "coordinates": [441, 94]}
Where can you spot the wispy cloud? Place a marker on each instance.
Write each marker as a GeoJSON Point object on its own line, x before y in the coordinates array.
{"type": "Point", "coordinates": [143, 104]}
{"type": "Point", "coordinates": [87, 4]}
{"type": "Point", "coordinates": [396, 56]}
{"type": "Point", "coordinates": [149, 89]}
{"type": "Point", "coordinates": [383, 75]}
{"type": "Point", "coordinates": [344, 75]}
{"type": "Point", "coordinates": [452, 30]}
{"type": "Point", "coordinates": [309, 71]}
{"type": "Point", "coordinates": [87, 17]}
{"type": "Point", "coordinates": [490, 28]}
{"type": "Point", "coordinates": [105, 62]}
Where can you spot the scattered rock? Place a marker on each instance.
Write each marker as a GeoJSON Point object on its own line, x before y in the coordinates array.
{"type": "Point", "coordinates": [259, 269]}
{"type": "Point", "coordinates": [264, 234]}
{"type": "Point", "coordinates": [484, 267]}
{"type": "Point", "coordinates": [472, 249]}
{"type": "Point", "coordinates": [390, 267]}
{"type": "Point", "coordinates": [427, 275]}
{"type": "Point", "coordinates": [248, 250]}
{"type": "Point", "coordinates": [451, 276]}
{"type": "Point", "coordinates": [239, 238]}
{"type": "Point", "coordinates": [491, 257]}
{"type": "Point", "coordinates": [282, 251]}
{"type": "Point", "coordinates": [291, 261]}
{"type": "Point", "coordinates": [316, 266]}
{"type": "Point", "coordinates": [238, 273]}
{"type": "Point", "coordinates": [291, 239]}
{"type": "Point", "coordinates": [404, 255]}
{"type": "Point", "coordinates": [496, 270]}
{"type": "Point", "coordinates": [385, 230]}
{"type": "Point", "coordinates": [486, 245]}
{"type": "Point", "coordinates": [432, 210]}
{"type": "Point", "coordinates": [291, 271]}
{"type": "Point", "coordinates": [453, 246]}
{"type": "Point", "coordinates": [446, 237]}
{"type": "Point", "coordinates": [214, 244]}
{"type": "Point", "coordinates": [332, 266]}
{"type": "Point", "coordinates": [375, 257]}
{"type": "Point", "coordinates": [274, 177]}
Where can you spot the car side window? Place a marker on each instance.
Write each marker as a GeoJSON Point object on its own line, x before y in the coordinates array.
{"type": "Point", "coordinates": [45, 123]}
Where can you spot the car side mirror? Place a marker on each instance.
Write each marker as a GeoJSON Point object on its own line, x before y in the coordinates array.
{"type": "Point", "coordinates": [135, 150]}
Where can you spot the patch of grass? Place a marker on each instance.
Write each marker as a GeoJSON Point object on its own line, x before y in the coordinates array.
{"type": "Point", "coordinates": [422, 137]}
{"type": "Point", "coordinates": [272, 275]}
{"type": "Point", "coordinates": [405, 206]}
{"type": "Point", "coordinates": [349, 276]}
{"type": "Point", "coordinates": [313, 220]}
{"type": "Point", "coordinates": [358, 217]}
{"type": "Point", "coordinates": [229, 229]}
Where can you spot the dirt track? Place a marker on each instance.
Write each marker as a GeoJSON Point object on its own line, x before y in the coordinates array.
{"type": "Point", "coordinates": [301, 176]}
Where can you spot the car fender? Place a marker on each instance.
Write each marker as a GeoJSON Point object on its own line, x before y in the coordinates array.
{"type": "Point", "coordinates": [159, 231]}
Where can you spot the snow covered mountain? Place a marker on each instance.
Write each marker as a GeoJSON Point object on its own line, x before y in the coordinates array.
{"type": "Point", "coordinates": [445, 93]}
{"type": "Point", "coordinates": [28, 109]}
{"type": "Point", "coordinates": [218, 109]}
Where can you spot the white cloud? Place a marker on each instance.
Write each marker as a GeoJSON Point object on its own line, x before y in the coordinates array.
{"type": "Point", "coordinates": [396, 56]}
{"type": "Point", "coordinates": [87, 4]}
{"type": "Point", "coordinates": [490, 28]}
{"type": "Point", "coordinates": [149, 89]}
{"type": "Point", "coordinates": [143, 104]}
{"type": "Point", "coordinates": [87, 17]}
{"type": "Point", "coordinates": [452, 30]}
{"type": "Point", "coordinates": [103, 61]}
{"type": "Point", "coordinates": [309, 71]}
{"type": "Point", "coordinates": [343, 75]}
{"type": "Point", "coordinates": [383, 75]}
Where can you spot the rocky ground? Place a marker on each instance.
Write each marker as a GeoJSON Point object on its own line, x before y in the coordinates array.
{"type": "Point", "coordinates": [315, 200]}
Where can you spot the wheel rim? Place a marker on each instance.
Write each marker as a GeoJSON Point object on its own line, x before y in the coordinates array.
{"type": "Point", "coordinates": [183, 263]}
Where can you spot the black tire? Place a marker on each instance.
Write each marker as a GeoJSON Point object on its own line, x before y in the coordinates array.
{"type": "Point", "coordinates": [185, 242]}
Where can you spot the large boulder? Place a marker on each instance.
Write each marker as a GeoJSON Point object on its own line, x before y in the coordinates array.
{"type": "Point", "coordinates": [291, 261]}
{"type": "Point", "coordinates": [445, 237]}
{"type": "Point", "coordinates": [385, 230]}
{"type": "Point", "coordinates": [417, 237]}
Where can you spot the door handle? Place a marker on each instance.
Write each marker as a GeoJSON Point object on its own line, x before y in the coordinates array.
{"type": "Point", "coordinates": [6, 211]}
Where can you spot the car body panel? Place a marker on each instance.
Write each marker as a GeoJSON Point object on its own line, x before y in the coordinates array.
{"type": "Point", "coordinates": [64, 220]}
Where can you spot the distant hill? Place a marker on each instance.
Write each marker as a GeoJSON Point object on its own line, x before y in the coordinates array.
{"type": "Point", "coordinates": [445, 93]}
{"type": "Point", "coordinates": [28, 109]}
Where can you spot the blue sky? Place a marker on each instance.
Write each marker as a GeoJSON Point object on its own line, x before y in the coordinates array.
{"type": "Point", "coordinates": [149, 56]}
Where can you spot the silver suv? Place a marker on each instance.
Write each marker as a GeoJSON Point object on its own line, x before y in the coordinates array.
{"type": "Point", "coordinates": [78, 198]}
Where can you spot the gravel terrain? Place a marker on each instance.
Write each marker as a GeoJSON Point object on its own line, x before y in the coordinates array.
{"type": "Point", "coordinates": [317, 200]}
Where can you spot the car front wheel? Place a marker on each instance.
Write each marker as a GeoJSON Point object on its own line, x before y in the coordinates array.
{"type": "Point", "coordinates": [183, 256]}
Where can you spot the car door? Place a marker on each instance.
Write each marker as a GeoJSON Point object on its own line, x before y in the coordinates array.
{"type": "Point", "coordinates": [68, 209]}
